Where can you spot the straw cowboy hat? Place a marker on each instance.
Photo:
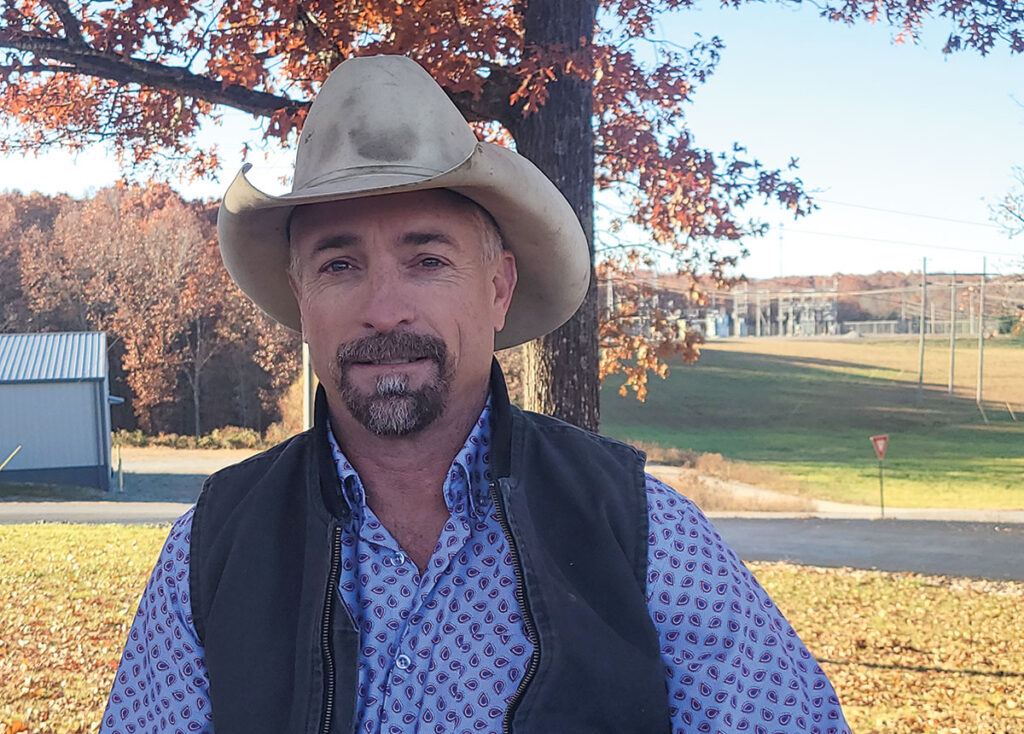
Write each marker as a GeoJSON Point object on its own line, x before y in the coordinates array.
{"type": "Point", "coordinates": [382, 125]}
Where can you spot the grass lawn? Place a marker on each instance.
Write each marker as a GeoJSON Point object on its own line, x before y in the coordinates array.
{"type": "Point", "coordinates": [907, 653]}
{"type": "Point", "coordinates": [805, 410]}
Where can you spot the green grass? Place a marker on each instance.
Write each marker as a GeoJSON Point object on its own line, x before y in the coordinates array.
{"type": "Point", "coordinates": [906, 653]}
{"type": "Point", "coordinates": [808, 415]}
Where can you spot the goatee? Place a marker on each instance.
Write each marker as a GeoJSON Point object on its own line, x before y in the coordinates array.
{"type": "Point", "coordinates": [394, 409]}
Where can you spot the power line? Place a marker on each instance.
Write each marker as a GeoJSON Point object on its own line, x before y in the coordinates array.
{"type": "Point", "coordinates": [909, 244]}
{"type": "Point", "coordinates": [909, 214]}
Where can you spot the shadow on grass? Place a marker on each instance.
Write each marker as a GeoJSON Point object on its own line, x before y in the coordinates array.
{"type": "Point", "coordinates": [925, 668]}
{"type": "Point", "coordinates": [28, 492]}
{"type": "Point", "coordinates": [137, 488]}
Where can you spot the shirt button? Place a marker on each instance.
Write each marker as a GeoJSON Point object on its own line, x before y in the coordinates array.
{"type": "Point", "coordinates": [399, 559]}
{"type": "Point", "coordinates": [402, 662]}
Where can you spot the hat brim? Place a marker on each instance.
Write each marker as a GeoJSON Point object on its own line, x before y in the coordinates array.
{"type": "Point", "coordinates": [536, 222]}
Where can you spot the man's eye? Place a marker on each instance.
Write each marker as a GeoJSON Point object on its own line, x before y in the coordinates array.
{"type": "Point", "coordinates": [337, 266]}
{"type": "Point", "coordinates": [431, 262]}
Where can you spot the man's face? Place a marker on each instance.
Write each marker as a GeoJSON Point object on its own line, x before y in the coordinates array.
{"type": "Point", "coordinates": [400, 299]}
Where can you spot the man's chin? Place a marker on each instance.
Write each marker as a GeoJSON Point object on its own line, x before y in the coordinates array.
{"type": "Point", "coordinates": [395, 416]}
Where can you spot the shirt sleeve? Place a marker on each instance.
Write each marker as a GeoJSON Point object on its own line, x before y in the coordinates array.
{"type": "Point", "coordinates": [161, 684]}
{"type": "Point", "coordinates": [732, 661]}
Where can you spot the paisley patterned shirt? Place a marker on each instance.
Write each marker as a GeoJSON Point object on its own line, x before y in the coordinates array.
{"type": "Point", "coordinates": [444, 651]}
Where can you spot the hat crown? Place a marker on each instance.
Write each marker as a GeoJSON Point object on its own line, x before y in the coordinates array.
{"type": "Point", "coordinates": [376, 114]}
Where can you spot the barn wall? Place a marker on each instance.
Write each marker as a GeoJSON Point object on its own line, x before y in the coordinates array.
{"type": "Point", "coordinates": [57, 425]}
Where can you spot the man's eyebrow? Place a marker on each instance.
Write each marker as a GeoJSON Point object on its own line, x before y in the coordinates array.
{"type": "Point", "coordinates": [425, 238]}
{"type": "Point", "coordinates": [336, 242]}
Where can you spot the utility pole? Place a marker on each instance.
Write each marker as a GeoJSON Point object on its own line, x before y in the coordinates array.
{"type": "Point", "coordinates": [924, 299]}
{"type": "Point", "coordinates": [952, 330]}
{"type": "Point", "coordinates": [981, 339]}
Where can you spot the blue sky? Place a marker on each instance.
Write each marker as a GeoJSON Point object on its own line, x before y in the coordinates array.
{"type": "Point", "coordinates": [876, 126]}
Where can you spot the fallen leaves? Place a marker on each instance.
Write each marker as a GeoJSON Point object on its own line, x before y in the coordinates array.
{"type": "Point", "coordinates": [69, 594]}
{"type": "Point", "coordinates": [906, 652]}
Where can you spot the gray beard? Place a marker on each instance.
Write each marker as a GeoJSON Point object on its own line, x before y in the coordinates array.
{"type": "Point", "coordinates": [393, 409]}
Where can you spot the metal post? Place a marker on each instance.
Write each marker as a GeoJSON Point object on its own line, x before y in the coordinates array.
{"type": "Point", "coordinates": [881, 488]}
{"type": "Point", "coordinates": [924, 299]}
{"type": "Point", "coordinates": [981, 340]}
{"type": "Point", "coordinates": [952, 330]}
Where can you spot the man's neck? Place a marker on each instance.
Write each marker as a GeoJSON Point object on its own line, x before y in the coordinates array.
{"type": "Point", "coordinates": [410, 469]}
{"type": "Point", "coordinates": [403, 478]}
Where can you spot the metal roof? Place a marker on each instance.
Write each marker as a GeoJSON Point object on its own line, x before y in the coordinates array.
{"type": "Point", "coordinates": [59, 357]}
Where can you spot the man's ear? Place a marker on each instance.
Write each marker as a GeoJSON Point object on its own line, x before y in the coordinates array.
{"type": "Point", "coordinates": [504, 280]}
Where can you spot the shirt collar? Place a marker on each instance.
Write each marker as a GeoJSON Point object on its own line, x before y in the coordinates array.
{"type": "Point", "coordinates": [465, 486]}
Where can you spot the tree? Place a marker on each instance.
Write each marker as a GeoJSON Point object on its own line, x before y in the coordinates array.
{"type": "Point", "coordinates": [142, 265]}
{"type": "Point", "coordinates": [574, 97]}
{"type": "Point", "coordinates": [1009, 213]}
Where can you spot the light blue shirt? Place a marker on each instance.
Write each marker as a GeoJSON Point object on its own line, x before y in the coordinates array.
{"type": "Point", "coordinates": [443, 651]}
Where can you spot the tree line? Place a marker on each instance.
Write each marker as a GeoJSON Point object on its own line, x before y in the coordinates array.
{"type": "Point", "coordinates": [187, 350]}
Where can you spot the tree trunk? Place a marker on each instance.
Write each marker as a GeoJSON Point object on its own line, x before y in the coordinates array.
{"type": "Point", "coordinates": [560, 369]}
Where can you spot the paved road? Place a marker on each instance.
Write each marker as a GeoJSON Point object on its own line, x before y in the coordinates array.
{"type": "Point", "coordinates": [976, 549]}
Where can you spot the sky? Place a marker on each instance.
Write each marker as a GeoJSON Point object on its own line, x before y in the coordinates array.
{"type": "Point", "coordinates": [894, 141]}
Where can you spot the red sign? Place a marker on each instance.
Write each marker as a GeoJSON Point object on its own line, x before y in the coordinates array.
{"type": "Point", "coordinates": [880, 443]}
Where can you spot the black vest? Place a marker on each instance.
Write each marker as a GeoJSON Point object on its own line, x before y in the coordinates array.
{"type": "Point", "coordinates": [282, 651]}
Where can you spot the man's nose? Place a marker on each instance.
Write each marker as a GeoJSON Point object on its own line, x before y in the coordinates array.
{"type": "Point", "coordinates": [386, 305]}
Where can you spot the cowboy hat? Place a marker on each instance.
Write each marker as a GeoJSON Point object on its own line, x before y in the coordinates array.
{"type": "Point", "coordinates": [381, 125]}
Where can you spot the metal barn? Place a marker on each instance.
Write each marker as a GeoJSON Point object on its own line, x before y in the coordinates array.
{"type": "Point", "coordinates": [54, 403]}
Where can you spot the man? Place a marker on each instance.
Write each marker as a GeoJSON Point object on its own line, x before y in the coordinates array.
{"type": "Point", "coordinates": [428, 558]}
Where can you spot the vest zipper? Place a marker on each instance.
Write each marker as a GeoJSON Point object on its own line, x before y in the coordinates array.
{"type": "Point", "coordinates": [528, 622]}
{"type": "Point", "coordinates": [325, 632]}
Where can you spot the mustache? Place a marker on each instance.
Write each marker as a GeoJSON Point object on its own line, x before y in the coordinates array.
{"type": "Point", "coordinates": [391, 347]}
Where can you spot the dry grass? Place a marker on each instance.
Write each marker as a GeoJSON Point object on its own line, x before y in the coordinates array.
{"type": "Point", "coordinates": [716, 484]}
{"type": "Point", "coordinates": [712, 494]}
